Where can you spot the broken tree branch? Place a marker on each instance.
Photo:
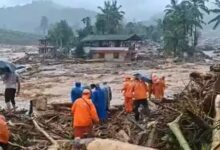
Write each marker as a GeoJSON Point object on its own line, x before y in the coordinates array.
{"type": "Point", "coordinates": [16, 145]}
{"type": "Point", "coordinates": [138, 125]}
{"type": "Point", "coordinates": [174, 126]}
{"type": "Point", "coordinates": [54, 143]}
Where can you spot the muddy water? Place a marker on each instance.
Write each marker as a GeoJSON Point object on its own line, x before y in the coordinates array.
{"type": "Point", "coordinates": [19, 103]}
{"type": "Point", "coordinates": [57, 84]}
{"type": "Point", "coordinates": [56, 81]}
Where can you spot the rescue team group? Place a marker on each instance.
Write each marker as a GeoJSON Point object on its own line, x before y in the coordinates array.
{"type": "Point", "coordinates": [91, 103]}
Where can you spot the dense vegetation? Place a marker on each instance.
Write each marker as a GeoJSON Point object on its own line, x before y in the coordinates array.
{"type": "Point", "coordinates": [19, 38]}
{"type": "Point", "coordinates": [178, 31]}
{"type": "Point", "coordinates": [108, 21]}
{"type": "Point", "coordinates": [26, 18]}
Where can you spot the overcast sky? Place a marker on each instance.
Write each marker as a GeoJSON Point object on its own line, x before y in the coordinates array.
{"type": "Point", "coordinates": [135, 9]}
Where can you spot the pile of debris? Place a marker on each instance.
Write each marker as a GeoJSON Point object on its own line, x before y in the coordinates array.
{"type": "Point", "coordinates": [189, 116]}
{"type": "Point", "coordinates": [187, 121]}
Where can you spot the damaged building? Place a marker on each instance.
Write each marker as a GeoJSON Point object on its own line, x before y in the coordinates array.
{"type": "Point", "coordinates": [111, 47]}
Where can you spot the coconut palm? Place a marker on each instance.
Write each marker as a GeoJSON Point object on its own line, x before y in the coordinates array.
{"type": "Point", "coordinates": [110, 16]}
{"type": "Point", "coordinates": [216, 20]}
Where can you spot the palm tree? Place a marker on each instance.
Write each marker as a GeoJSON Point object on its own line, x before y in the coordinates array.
{"type": "Point", "coordinates": [111, 15]}
{"type": "Point", "coordinates": [171, 8]}
{"type": "Point", "coordinates": [216, 20]}
{"type": "Point", "coordinates": [196, 14]}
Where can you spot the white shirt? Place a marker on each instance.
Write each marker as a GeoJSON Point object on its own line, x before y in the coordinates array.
{"type": "Point", "coordinates": [10, 80]}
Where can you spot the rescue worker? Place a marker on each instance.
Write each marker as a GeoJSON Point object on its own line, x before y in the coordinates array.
{"type": "Point", "coordinates": [108, 94]}
{"type": "Point", "coordinates": [12, 87]}
{"type": "Point", "coordinates": [84, 115]}
{"type": "Point", "coordinates": [76, 92]}
{"type": "Point", "coordinates": [140, 95]}
{"type": "Point", "coordinates": [127, 92]}
{"type": "Point", "coordinates": [158, 88]}
{"type": "Point", "coordinates": [4, 133]}
{"type": "Point", "coordinates": [93, 86]}
{"type": "Point", "coordinates": [100, 103]}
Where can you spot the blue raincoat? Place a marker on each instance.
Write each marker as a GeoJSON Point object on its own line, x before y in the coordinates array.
{"type": "Point", "coordinates": [98, 98]}
{"type": "Point", "coordinates": [76, 92]}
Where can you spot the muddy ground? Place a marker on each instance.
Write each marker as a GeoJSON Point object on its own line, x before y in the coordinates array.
{"type": "Point", "coordinates": [54, 82]}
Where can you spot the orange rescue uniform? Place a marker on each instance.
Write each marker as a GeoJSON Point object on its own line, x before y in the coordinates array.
{"type": "Point", "coordinates": [4, 132]}
{"type": "Point", "coordinates": [140, 90]}
{"type": "Point", "coordinates": [127, 91]}
{"type": "Point", "coordinates": [84, 115]}
{"type": "Point", "coordinates": [158, 89]}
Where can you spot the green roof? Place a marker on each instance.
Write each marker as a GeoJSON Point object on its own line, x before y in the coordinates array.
{"type": "Point", "coordinates": [111, 37]}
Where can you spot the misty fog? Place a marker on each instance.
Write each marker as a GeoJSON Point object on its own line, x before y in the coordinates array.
{"type": "Point", "coordinates": [135, 9]}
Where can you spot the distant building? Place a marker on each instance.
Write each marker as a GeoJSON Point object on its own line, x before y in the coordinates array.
{"type": "Point", "coordinates": [111, 47]}
{"type": "Point", "coordinates": [46, 49]}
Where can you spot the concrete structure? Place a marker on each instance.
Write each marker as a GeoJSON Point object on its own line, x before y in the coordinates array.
{"type": "Point", "coordinates": [46, 49]}
{"type": "Point", "coordinates": [111, 47]}
{"type": "Point", "coordinates": [110, 53]}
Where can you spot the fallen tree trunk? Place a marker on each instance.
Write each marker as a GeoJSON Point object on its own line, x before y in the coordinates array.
{"type": "Point", "coordinates": [174, 126]}
{"type": "Point", "coordinates": [216, 131]}
{"type": "Point", "coordinates": [107, 144]}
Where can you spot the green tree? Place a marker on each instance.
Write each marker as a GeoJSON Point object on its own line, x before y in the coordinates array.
{"type": "Point", "coordinates": [181, 23]}
{"type": "Point", "coordinates": [216, 20]}
{"type": "Point", "coordinates": [130, 28]}
{"type": "Point", "coordinates": [61, 35]}
{"type": "Point", "coordinates": [110, 18]}
{"type": "Point", "coordinates": [44, 24]}
{"type": "Point", "coordinates": [87, 30]}
{"type": "Point", "coordinates": [79, 51]}
{"type": "Point", "coordinates": [196, 15]}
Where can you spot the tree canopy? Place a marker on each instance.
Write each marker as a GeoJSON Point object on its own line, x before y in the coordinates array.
{"type": "Point", "coordinates": [109, 21]}
{"type": "Point", "coordinates": [182, 22]}
{"type": "Point", "coordinates": [216, 20]}
{"type": "Point", "coordinates": [61, 34]}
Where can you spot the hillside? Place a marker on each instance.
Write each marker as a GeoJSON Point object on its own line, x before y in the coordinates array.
{"type": "Point", "coordinates": [27, 18]}
{"type": "Point", "coordinates": [17, 38]}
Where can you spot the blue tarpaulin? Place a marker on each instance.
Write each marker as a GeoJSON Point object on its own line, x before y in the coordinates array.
{"type": "Point", "coordinates": [145, 78]}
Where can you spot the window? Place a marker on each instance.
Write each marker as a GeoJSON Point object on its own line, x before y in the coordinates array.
{"type": "Point", "coordinates": [116, 55]}
{"type": "Point", "coordinates": [101, 55]}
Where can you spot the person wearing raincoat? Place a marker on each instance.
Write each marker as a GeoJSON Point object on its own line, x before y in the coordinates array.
{"type": "Point", "coordinates": [98, 99]}
{"type": "Point", "coordinates": [140, 96]}
{"type": "Point", "coordinates": [84, 115]}
{"type": "Point", "coordinates": [127, 92]}
{"type": "Point", "coordinates": [76, 92]}
{"type": "Point", "coordinates": [158, 88]}
{"type": "Point", "coordinates": [108, 94]}
{"type": "Point", "coordinates": [4, 133]}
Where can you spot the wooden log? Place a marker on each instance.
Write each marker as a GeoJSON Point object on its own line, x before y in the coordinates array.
{"type": "Point", "coordinates": [216, 131]}
{"type": "Point", "coordinates": [107, 144]}
{"type": "Point", "coordinates": [62, 105]}
{"type": "Point", "coordinates": [174, 126]}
